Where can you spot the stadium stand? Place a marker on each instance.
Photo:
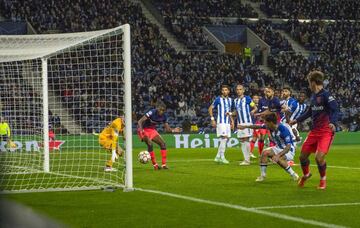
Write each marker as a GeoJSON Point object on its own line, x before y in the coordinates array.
{"type": "Point", "coordinates": [227, 8]}
{"type": "Point", "coordinates": [312, 9]}
{"type": "Point", "coordinates": [158, 69]}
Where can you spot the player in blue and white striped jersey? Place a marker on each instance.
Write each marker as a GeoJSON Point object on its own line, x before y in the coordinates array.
{"type": "Point", "coordinates": [288, 106]}
{"type": "Point", "coordinates": [301, 107]}
{"type": "Point", "coordinates": [292, 109]}
{"type": "Point", "coordinates": [243, 106]}
{"type": "Point", "coordinates": [282, 152]}
{"type": "Point", "coordinates": [224, 122]}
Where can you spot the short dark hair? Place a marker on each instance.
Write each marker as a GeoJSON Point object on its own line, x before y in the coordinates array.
{"type": "Point", "coordinates": [271, 118]}
{"type": "Point", "coordinates": [270, 87]}
{"type": "Point", "coordinates": [160, 104]}
{"type": "Point", "coordinates": [225, 86]}
{"type": "Point", "coordinates": [317, 77]}
{"type": "Point", "coordinates": [287, 88]}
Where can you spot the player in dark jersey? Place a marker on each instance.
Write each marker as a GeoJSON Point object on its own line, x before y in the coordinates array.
{"type": "Point", "coordinates": [324, 113]}
{"type": "Point", "coordinates": [148, 134]}
{"type": "Point", "coordinates": [267, 105]}
{"type": "Point", "coordinates": [256, 120]}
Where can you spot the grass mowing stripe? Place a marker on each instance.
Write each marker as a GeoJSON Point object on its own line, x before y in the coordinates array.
{"type": "Point", "coordinates": [242, 208]}
{"type": "Point", "coordinates": [309, 205]}
{"type": "Point", "coordinates": [205, 160]}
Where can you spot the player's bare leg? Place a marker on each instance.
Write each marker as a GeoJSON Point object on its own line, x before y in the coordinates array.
{"type": "Point", "coordinates": [115, 152]}
{"type": "Point", "coordinates": [263, 164]}
{"type": "Point", "coordinates": [245, 147]}
{"type": "Point", "coordinates": [220, 157]}
{"type": "Point", "coordinates": [321, 163]}
{"type": "Point", "coordinates": [284, 164]}
{"type": "Point", "coordinates": [305, 163]}
{"type": "Point", "coordinates": [160, 141]}
{"type": "Point", "coordinates": [149, 144]}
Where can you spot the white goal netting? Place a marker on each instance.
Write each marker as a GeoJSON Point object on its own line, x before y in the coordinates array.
{"type": "Point", "coordinates": [58, 92]}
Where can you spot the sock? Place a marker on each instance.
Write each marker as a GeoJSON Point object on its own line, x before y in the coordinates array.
{"type": "Point", "coordinates": [289, 170]}
{"type": "Point", "coordinates": [305, 166]}
{"type": "Point", "coordinates": [163, 156]}
{"type": "Point", "coordinates": [261, 146]}
{"type": "Point", "coordinates": [263, 169]}
{"type": "Point", "coordinates": [113, 155]}
{"type": "Point", "coordinates": [322, 171]}
{"type": "Point", "coordinates": [152, 155]}
{"type": "Point", "coordinates": [222, 147]}
{"type": "Point", "coordinates": [245, 147]}
{"type": "Point", "coordinates": [252, 145]}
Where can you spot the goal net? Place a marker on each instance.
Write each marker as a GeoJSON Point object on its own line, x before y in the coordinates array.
{"type": "Point", "coordinates": [58, 92]}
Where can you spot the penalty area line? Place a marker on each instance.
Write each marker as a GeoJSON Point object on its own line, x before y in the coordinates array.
{"type": "Point", "coordinates": [242, 208]}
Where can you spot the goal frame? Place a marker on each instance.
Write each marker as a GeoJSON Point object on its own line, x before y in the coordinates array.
{"type": "Point", "coordinates": [126, 46]}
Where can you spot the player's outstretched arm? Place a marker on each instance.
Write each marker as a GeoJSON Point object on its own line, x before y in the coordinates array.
{"type": "Point", "coordinates": [242, 127]}
{"type": "Point", "coordinates": [334, 112]}
{"type": "Point", "coordinates": [264, 113]}
{"type": "Point", "coordinates": [303, 117]}
{"type": "Point", "coordinates": [213, 123]}
{"type": "Point", "coordinates": [172, 130]}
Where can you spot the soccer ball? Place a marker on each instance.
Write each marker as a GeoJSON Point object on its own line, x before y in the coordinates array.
{"type": "Point", "coordinates": [144, 157]}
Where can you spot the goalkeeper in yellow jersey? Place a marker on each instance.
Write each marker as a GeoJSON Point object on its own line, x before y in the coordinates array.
{"type": "Point", "coordinates": [108, 139]}
{"type": "Point", "coordinates": [5, 133]}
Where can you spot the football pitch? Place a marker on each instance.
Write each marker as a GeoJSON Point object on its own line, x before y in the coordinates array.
{"type": "Point", "coordinates": [196, 192]}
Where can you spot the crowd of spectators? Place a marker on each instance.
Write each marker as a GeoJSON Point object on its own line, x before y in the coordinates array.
{"type": "Point", "coordinates": [335, 49]}
{"type": "Point", "coordinates": [205, 8]}
{"type": "Point", "coordinates": [186, 18]}
{"type": "Point", "coordinates": [189, 31]}
{"type": "Point", "coordinates": [292, 69]}
{"type": "Point", "coordinates": [187, 82]}
{"type": "Point", "coordinates": [312, 9]}
{"type": "Point", "coordinates": [20, 104]}
{"type": "Point", "coordinates": [265, 30]}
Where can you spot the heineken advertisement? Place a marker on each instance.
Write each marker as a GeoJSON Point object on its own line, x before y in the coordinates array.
{"type": "Point", "coordinates": [33, 143]}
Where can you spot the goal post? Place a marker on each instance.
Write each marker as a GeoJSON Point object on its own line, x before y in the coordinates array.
{"type": "Point", "coordinates": [60, 92]}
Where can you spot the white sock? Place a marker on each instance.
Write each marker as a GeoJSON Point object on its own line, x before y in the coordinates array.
{"type": "Point", "coordinates": [289, 170]}
{"type": "Point", "coordinates": [222, 147]}
{"type": "Point", "coordinates": [263, 170]}
{"type": "Point", "coordinates": [113, 155]}
{"type": "Point", "coordinates": [245, 147]}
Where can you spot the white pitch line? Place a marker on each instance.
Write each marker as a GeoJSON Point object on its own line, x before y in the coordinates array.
{"type": "Point", "coordinates": [191, 160]}
{"type": "Point", "coordinates": [242, 208]}
{"type": "Point", "coordinates": [335, 167]}
{"type": "Point", "coordinates": [309, 205]}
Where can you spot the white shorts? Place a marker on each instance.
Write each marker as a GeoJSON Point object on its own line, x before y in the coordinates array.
{"type": "Point", "coordinates": [289, 155]}
{"type": "Point", "coordinates": [223, 130]}
{"type": "Point", "coordinates": [247, 132]}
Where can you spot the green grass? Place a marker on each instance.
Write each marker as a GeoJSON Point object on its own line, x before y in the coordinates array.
{"type": "Point", "coordinates": [193, 173]}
